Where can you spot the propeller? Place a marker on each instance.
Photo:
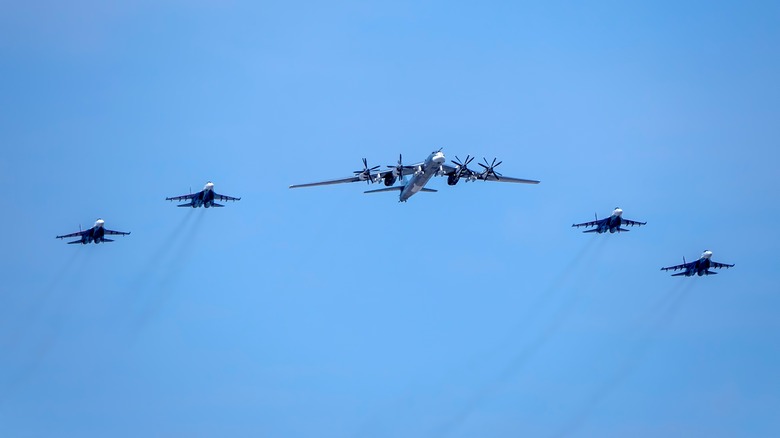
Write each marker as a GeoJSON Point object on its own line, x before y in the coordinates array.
{"type": "Point", "coordinates": [490, 169]}
{"type": "Point", "coordinates": [365, 174]}
{"type": "Point", "coordinates": [463, 166]}
{"type": "Point", "coordinates": [398, 169]}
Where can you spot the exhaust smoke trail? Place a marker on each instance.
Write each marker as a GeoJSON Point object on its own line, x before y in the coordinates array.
{"type": "Point", "coordinates": [664, 312]}
{"type": "Point", "coordinates": [58, 304]}
{"type": "Point", "coordinates": [37, 303]}
{"type": "Point", "coordinates": [539, 341]}
{"type": "Point", "coordinates": [173, 257]}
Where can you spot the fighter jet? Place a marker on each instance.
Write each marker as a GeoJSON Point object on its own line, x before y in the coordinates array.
{"type": "Point", "coordinates": [434, 165]}
{"type": "Point", "coordinates": [611, 224]}
{"type": "Point", "coordinates": [203, 198]}
{"type": "Point", "coordinates": [699, 267]}
{"type": "Point", "coordinates": [95, 234]}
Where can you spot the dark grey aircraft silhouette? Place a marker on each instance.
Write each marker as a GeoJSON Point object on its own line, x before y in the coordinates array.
{"type": "Point", "coordinates": [611, 224]}
{"type": "Point", "coordinates": [204, 198]}
{"type": "Point", "coordinates": [699, 267]}
{"type": "Point", "coordinates": [434, 165]}
{"type": "Point", "coordinates": [95, 234]}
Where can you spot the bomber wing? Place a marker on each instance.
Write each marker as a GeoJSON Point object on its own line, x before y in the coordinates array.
{"type": "Point", "coordinates": [328, 182]}
{"type": "Point", "coordinates": [492, 177]}
{"type": "Point", "coordinates": [484, 176]}
{"type": "Point", "coordinates": [357, 178]}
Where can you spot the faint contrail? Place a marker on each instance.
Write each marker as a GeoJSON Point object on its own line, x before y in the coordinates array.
{"type": "Point", "coordinates": [163, 250]}
{"type": "Point", "coordinates": [179, 256]}
{"type": "Point", "coordinates": [41, 348]}
{"type": "Point", "coordinates": [536, 344]}
{"type": "Point", "coordinates": [35, 306]}
{"type": "Point", "coordinates": [133, 304]}
{"type": "Point", "coordinates": [667, 311]}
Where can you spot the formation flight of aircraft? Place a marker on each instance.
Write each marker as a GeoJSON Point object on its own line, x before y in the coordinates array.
{"type": "Point", "coordinates": [699, 267]}
{"type": "Point", "coordinates": [434, 165]}
{"type": "Point", "coordinates": [205, 198]}
{"type": "Point", "coordinates": [611, 224]}
{"type": "Point", "coordinates": [95, 234]}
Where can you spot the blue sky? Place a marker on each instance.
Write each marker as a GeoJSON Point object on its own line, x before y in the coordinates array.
{"type": "Point", "coordinates": [474, 311]}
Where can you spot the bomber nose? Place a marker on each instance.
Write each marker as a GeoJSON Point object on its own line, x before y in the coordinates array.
{"type": "Point", "coordinates": [618, 211]}
{"type": "Point", "coordinates": [707, 254]}
{"type": "Point", "coordinates": [439, 157]}
{"type": "Point", "coordinates": [100, 222]}
{"type": "Point", "coordinates": [209, 185]}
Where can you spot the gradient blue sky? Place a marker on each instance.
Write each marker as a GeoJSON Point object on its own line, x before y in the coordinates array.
{"type": "Point", "coordinates": [476, 311]}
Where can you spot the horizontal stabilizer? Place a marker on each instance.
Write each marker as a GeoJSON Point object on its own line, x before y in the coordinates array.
{"type": "Point", "coordinates": [623, 229]}
{"type": "Point", "coordinates": [678, 274]}
{"type": "Point", "coordinates": [424, 189]}
{"type": "Point", "coordinates": [591, 231]}
{"type": "Point", "coordinates": [216, 205]}
{"type": "Point", "coordinates": [107, 240]}
{"type": "Point", "coordinates": [188, 204]}
{"type": "Point", "coordinates": [386, 189]}
{"type": "Point", "coordinates": [708, 272]}
{"type": "Point", "coordinates": [75, 241]}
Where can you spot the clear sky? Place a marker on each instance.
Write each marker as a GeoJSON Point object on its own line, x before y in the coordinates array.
{"type": "Point", "coordinates": [322, 312]}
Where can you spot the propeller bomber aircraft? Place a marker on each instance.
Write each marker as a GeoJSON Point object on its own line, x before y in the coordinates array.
{"type": "Point", "coordinates": [434, 165]}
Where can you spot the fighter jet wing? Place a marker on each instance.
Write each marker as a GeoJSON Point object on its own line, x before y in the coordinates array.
{"type": "Point", "coordinates": [76, 234]}
{"type": "Point", "coordinates": [589, 224]}
{"type": "Point", "coordinates": [116, 233]}
{"type": "Point", "coordinates": [225, 197]}
{"type": "Point", "coordinates": [683, 266]}
{"type": "Point", "coordinates": [720, 265]}
{"type": "Point", "coordinates": [632, 223]}
{"type": "Point", "coordinates": [182, 197]}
